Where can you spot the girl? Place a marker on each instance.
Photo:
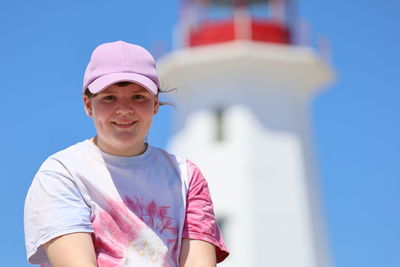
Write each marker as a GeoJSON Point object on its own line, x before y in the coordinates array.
{"type": "Point", "coordinates": [115, 200]}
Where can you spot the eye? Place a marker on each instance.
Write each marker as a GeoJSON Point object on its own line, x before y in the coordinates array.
{"type": "Point", "coordinates": [109, 97]}
{"type": "Point", "coordinates": [138, 97]}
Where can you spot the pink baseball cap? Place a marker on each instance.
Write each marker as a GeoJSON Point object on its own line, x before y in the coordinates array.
{"type": "Point", "coordinates": [119, 61]}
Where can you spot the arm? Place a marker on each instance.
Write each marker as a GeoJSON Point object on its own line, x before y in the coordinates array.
{"type": "Point", "coordinates": [200, 224]}
{"type": "Point", "coordinates": [197, 253]}
{"type": "Point", "coordinates": [54, 206]}
{"type": "Point", "coordinates": [71, 250]}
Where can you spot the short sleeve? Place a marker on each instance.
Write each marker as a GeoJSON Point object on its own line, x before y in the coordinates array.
{"type": "Point", "coordinates": [53, 207]}
{"type": "Point", "coordinates": [200, 222]}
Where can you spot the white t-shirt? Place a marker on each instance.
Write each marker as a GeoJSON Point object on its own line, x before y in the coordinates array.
{"type": "Point", "coordinates": [138, 208]}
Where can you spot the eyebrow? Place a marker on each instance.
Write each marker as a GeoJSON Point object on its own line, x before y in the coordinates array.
{"type": "Point", "coordinates": [107, 92]}
{"type": "Point", "coordinates": [142, 90]}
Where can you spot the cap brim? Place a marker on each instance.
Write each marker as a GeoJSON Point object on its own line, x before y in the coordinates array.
{"type": "Point", "coordinates": [104, 81]}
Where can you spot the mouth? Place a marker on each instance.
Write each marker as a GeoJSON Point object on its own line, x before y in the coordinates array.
{"type": "Point", "coordinates": [123, 124]}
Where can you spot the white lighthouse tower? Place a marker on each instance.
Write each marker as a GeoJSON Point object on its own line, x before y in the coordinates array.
{"type": "Point", "coordinates": [244, 90]}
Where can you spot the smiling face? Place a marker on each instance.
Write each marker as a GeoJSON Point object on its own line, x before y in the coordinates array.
{"type": "Point", "coordinates": [122, 117]}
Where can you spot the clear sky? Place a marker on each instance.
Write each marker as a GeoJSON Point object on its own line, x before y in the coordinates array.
{"type": "Point", "coordinates": [45, 46]}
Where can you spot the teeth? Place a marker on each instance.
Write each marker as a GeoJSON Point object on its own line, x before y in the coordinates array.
{"type": "Point", "coordinates": [123, 123]}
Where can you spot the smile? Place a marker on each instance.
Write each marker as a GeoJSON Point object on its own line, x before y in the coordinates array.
{"type": "Point", "coordinates": [123, 124]}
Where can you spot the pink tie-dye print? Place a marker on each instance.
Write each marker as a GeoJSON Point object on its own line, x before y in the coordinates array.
{"type": "Point", "coordinates": [138, 209]}
{"type": "Point", "coordinates": [130, 229]}
{"type": "Point", "coordinates": [200, 221]}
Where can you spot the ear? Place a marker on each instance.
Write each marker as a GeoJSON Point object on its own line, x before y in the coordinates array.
{"type": "Point", "coordinates": [87, 105]}
{"type": "Point", "coordinates": [156, 104]}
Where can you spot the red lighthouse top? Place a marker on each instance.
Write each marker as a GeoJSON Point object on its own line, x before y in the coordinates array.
{"type": "Point", "coordinates": [214, 21]}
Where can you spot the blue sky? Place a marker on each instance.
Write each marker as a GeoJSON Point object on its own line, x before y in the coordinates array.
{"type": "Point", "coordinates": [45, 46]}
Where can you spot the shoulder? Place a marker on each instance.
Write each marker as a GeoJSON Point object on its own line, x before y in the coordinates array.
{"type": "Point", "coordinates": [84, 148]}
{"type": "Point", "coordinates": [193, 171]}
{"type": "Point", "coordinates": [73, 154]}
{"type": "Point", "coordinates": [163, 155]}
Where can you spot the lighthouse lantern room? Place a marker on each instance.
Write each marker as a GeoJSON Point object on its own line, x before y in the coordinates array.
{"type": "Point", "coordinates": [213, 21]}
{"type": "Point", "coordinates": [243, 94]}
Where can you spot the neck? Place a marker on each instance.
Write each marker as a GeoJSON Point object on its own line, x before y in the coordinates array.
{"type": "Point", "coordinates": [123, 151]}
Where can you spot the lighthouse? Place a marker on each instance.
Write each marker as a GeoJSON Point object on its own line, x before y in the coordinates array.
{"type": "Point", "coordinates": [244, 87]}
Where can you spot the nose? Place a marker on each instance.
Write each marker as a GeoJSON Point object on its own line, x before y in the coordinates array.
{"type": "Point", "coordinates": [124, 107]}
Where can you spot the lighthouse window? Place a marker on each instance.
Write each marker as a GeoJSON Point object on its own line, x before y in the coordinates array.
{"type": "Point", "coordinates": [221, 222]}
{"type": "Point", "coordinates": [219, 13]}
{"type": "Point", "coordinates": [260, 10]}
{"type": "Point", "coordinates": [219, 124]}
